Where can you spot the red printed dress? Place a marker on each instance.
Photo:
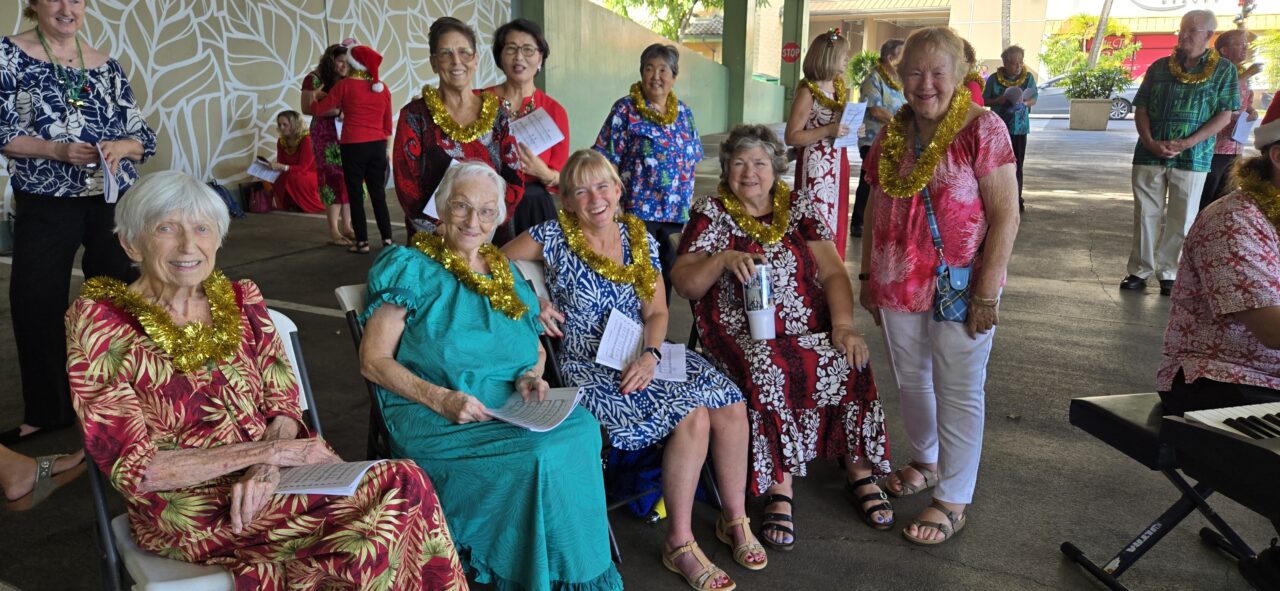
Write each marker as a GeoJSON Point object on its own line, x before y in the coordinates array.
{"type": "Point", "coordinates": [133, 403]}
{"type": "Point", "coordinates": [804, 401]}
{"type": "Point", "coordinates": [822, 171]}
{"type": "Point", "coordinates": [324, 146]}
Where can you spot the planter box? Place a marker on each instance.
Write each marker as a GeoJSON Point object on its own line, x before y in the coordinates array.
{"type": "Point", "coordinates": [1090, 114]}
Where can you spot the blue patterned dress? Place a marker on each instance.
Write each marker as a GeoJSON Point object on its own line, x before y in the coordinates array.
{"type": "Point", "coordinates": [642, 418]}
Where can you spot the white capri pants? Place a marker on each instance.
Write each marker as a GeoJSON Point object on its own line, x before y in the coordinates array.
{"type": "Point", "coordinates": [941, 374]}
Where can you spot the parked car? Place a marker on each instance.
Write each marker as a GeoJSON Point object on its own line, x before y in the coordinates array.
{"type": "Point", "coordinates": [1053, 101]}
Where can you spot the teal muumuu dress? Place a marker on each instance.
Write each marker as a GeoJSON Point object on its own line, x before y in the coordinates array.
{"type": "Point", "coordinates": [526, 510]}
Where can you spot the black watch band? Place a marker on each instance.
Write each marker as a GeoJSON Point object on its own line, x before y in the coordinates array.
{"type": "Point", "coordinates": [655, 352]}
{"type": "Point", "coordinates": [864, 276]}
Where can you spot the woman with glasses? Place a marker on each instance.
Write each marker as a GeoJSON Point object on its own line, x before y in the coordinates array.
{"type": "Point", "coordinates": [448, 124]}
{"type": "Point", "coordinates": [449, 334]}
{"type": "Point", "coordinates": [519, 49]}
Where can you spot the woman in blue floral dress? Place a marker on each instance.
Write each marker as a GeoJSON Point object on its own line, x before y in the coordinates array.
{"type": "Point", "coordinates": [598, 262]}
{"type": "Point", "coordinates": [650, 137]}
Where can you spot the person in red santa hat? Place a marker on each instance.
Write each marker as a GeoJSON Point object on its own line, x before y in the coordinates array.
{"type": "Point", "coordinates": [1228, 293]}
{"type": "Point", "coordinates": [366, 106]}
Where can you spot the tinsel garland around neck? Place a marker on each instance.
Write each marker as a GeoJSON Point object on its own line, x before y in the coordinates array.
{"type": "Point", "coordinates": [666, 117]}
{"type": "Point", "coordinates": [836, 101]}
{"type": "Point", "coordinates": [888, 77]}
{"type": "Point", "coordinates": [753, 228]}
{"type": "Point", "coordinates": [894, 147]}
{"type": "Point", "coordinates": [1210, 65]}
{"type": "Point", "coordinates": [191, 346]}
{"type": "Point", "coordinates": [640, 273]}
{"type": "Point", "coordinates": [976, 77]}
{"type": "Point", "coordinates": [500, 289]}
{"type": "Point", "coordinates": [1015, 83]}
{"type": "Point", "coordinates": [1262, 192]}
{"type": "Point", "coordinates": [489, 106]}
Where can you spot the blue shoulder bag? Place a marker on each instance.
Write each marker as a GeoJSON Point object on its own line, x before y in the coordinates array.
{"type": "Point", "coordinates": [951, 299]}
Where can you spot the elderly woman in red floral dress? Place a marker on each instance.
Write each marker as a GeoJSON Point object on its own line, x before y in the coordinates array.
{"type": "Point", "coordinates": [188, 405]}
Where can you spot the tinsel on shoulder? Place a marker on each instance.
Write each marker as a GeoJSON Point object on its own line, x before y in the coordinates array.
{"type": "Point", "coordinates": [1210, 65]}
{"type": "Point", "coordinates": [1016, 82]}
{"type": "Point", "coordinates": [888, 77]}
{"type": "Point", "coordinates": [834, 102]}
{"type": "Point", "coordinates": [976, 77]}
{"type": "Point", "coordinates": [640, 274]}
{"type": "Point", "coordinates": [489, 106]}
{"type": "Point", "coordinates": [191, 346]}
{"type": "Point", "coordinates": [1262, 192]}
{"type": "Point", "coordinates": [670, 111]}
{"type": "Point", "coordinates": [894, 147]}
{"type": "Point", "coordinates": [753, 228]}
{"type": "Point", "coordinates": [499, 288]}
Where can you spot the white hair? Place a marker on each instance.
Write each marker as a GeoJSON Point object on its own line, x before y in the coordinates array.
{"type": "Point", "coordinates": [158, 194]}
{"type": "Point", "coordinates": [1204, 18]}
{"type": "Point", "coordinates": [468, 169]}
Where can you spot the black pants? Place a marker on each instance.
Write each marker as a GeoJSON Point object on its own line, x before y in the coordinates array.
{"type": "Point", "coordinates": [662, 232]}
{"type": "Point", "coordinates": [46, 235]}
{"type": "Point", "coordinates": [1205, 393]}
{"type": "Point", "coordinates": [365, 165]}
{"type": "Point", "coordinates": [1215, 183]}
{"type": "Point", "coordinates": [1019, 154]}
{"type": "Point", "coordinates": [861, 195]}
{"type": "Point", "coordinates": [536, 206]}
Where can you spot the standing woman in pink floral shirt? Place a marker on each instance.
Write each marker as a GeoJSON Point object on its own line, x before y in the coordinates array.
{"type": "Point", "coordinates": [945, 158]}
{"type": "Point", "coordinates": [1222, 347]}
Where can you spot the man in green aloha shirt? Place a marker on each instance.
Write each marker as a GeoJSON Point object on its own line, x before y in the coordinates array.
{"type": "Point", "coordinates": [1183, 102]}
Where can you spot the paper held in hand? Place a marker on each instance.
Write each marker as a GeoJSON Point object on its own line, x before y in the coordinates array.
{"type": "Point", "coordinates": [537, 130]}
{"type": "Point", "coordinates": [323, 479]}
{"type": "Point", "coordinates": [623, 341]}
{"type": "Point", "coordinates": [264, 172]}
{"type": "Point", "coordinates": [110, 187]}
{"type": "Point", "coordinates": [1244, 128]}
{"type": "Point", "coordinates": [851, 118]}
{"type": "Point", "coordinates": [539, 415]}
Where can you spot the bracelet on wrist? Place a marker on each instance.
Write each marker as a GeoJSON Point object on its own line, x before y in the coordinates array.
{"type": "Point", "coordinates": [986, 302]}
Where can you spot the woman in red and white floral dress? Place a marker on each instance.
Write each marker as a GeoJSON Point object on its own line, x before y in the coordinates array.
{"type": "Point", "coordinates": [822, 170]}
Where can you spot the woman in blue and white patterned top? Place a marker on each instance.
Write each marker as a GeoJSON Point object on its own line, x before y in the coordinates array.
{"type": "Point", "coordinates": [65, 108]}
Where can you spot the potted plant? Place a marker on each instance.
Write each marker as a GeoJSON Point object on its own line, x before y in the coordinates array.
{"type": "Point", "coordinates": [1090, 91]}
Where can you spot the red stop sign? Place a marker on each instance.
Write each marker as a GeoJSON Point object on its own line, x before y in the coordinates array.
{"type": "Point", "coordinates": [791, 52]}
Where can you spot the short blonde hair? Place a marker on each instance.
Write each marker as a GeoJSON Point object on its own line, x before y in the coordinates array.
{"type": "Point", "coordinates": [934, 40]}
{"type": "Point", "coordinates": [161, 193]}
{"type": "Point", "coordinates": [584, 166]}
{"type": "Point", "coordinates": [823, 62]}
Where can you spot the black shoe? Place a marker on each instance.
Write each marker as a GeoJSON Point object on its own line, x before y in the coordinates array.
{"type": "Point", "coordinates": [856, 231]}
{"type": "Point", "coordinates": [1166, 287]}
{"type": "Point", "coordinates": [1133, 282]}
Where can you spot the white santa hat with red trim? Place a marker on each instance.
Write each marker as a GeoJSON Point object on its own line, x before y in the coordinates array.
{"type": "Point", "coordinates": [365, 59]}
{"type": "Point", "coordinates": [1268, 132]}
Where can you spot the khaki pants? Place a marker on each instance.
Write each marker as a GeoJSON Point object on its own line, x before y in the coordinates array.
{"type": "Point", "coordinates": [1165, 202]}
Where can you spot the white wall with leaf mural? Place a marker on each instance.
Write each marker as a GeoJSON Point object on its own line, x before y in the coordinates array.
{"type": "Point", "coordinates": [212, 74]}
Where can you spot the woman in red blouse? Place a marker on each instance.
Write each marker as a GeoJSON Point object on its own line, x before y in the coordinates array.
{"type": "Point", "coordinates": [519, 49]}
{"type": "Point", "coordinates": [973, 80]}
{"type": "Point", "coordinates": [297, 186]}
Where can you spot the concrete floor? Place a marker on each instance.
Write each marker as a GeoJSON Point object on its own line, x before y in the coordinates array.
{"type": "Point", "coordinates": [1065, 331]}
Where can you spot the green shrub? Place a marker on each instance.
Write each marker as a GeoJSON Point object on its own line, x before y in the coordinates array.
{"type": "Point", "coordinates": [861, 65]}
{"type": "Point", "coordinates": [1096, 83]}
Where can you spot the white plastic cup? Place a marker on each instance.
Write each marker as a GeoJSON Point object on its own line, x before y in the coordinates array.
{"type": "Point", "coordinates": [761, 323]}
{"type": "Point", "coordinates": [757, 298]}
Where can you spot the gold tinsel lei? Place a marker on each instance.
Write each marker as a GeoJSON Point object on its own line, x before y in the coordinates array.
{"type": "Point", "coordinates": [1265, 194]}
{"type": "Point", "coordinates": [834, 102]}
{"type": "Point", "coordinates": [895, 146]}
{"type": "Point", "coordinates": [1175, 68]}
{"type": "Point", "coordinates": [191, 346]}
{"type": "Point", "coordinates": [888, 77]}
{"type": "Point", "coordinates": [640, 273]}
{"type": "Point", "coordinates": [665, 118]}
{"type": "Point", "coordinates": [500, 289]}
{"type": "Point", "coordinates": [976, 77]}
{"type": "Point", "coordinates": [753, 228]}
{"type": "Point", "coordinates": [1007, 83]}
{"type": "Point", "coordinates": [440, 116]}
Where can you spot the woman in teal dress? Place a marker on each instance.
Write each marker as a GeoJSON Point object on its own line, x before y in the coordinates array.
{"type": "Point", "coordinates": [526, 509]}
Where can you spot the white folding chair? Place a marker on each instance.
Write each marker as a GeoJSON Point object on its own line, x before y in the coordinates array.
{"type": "Point", "coordinates": [150, 572]}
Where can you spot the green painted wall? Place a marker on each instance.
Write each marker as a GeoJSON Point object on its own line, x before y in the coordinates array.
{"type": "Point", "coordinates": [763, 102]}
{"type": "Point", "coordinates": [595, 57]}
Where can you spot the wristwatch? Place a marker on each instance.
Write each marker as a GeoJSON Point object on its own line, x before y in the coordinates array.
{"type": "Point", "coordinates": [655, 352]}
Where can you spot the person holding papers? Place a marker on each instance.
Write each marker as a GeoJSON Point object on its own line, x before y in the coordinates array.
{"type": "Point", "coordinates": [297, 185]}
{"type": "Point", "coordinates": [450, 123]}
{"type": "Point", "coordinates": [520, 50]}
{"type": "Point", "coordinates": [450, 333]}
{"type": "Point", "coordinates": [822, 170]}
{"type": "Point", "coordinates": [1014, 108]}
{"type": "Point", "coordinates": [190, 409]}
{"type": "Point", "coordinates": [66, 109]}
{"type": "Point", "coordinates": [602, 263]}
{"type": "Point", "coordinates": [809, 392]}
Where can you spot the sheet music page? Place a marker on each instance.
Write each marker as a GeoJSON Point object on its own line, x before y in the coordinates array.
{"type": "Point", "coordinates": [851, 118]}
{"type": "Point", "coordinates": [323, 479]}
{"type": "Point", "coordinates": [110, 187]}
{"type": "Point", "coordinates": [537, 130]}
{"type": "Point", "coordinates": [430, 209]}
{"type": "Point", "coordinates": [623, 341]}
{"type": "Point", "coordinates": [539, 415]}
{"type": "Point", "coordinates": [1244, 127]}
{"type": "Point", "coordinates": [262, 171]}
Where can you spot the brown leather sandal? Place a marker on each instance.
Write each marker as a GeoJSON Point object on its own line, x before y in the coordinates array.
{"type": "Point", "coordinates": [749, 547]}
{"type": "Point", "coordinates": [930, 480]}
{"type": "Point", "coordinates": [704, 578]}
{"type": "Point", "coordinates": [948, 529]}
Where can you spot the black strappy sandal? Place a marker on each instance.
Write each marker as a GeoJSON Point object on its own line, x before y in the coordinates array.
{"type": "Point", "coordinates": [867, 514]}
{"type": "Point", "coordinates": [359, 248]}
{"type": "Point", "coordinates": [769, 526]}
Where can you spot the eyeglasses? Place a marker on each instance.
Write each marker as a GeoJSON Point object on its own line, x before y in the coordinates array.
{"type": "Point", "coordinates": [463, 54]}
{"type": "Point", "coordinates": [525, 50]}
{"type": "Point", "coordinates": [1190, 32]}
{"type": "Point", "coordinates": [461, 210]}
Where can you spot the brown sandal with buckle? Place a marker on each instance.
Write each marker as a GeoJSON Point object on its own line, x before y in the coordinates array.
{"type": "Point", "coordinates": [907, 489]}
{"type": "Point", "coordinates": [749, 547]}
{"type": "Point", "coordinates": [704, 578]}
{"type": "Point", "coordinates": [948, 530]}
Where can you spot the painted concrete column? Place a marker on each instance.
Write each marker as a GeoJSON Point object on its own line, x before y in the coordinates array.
{"type": "Point", "coordinates": [795, 29]}
{"type": "Point", "coordinates": [739, 59]}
